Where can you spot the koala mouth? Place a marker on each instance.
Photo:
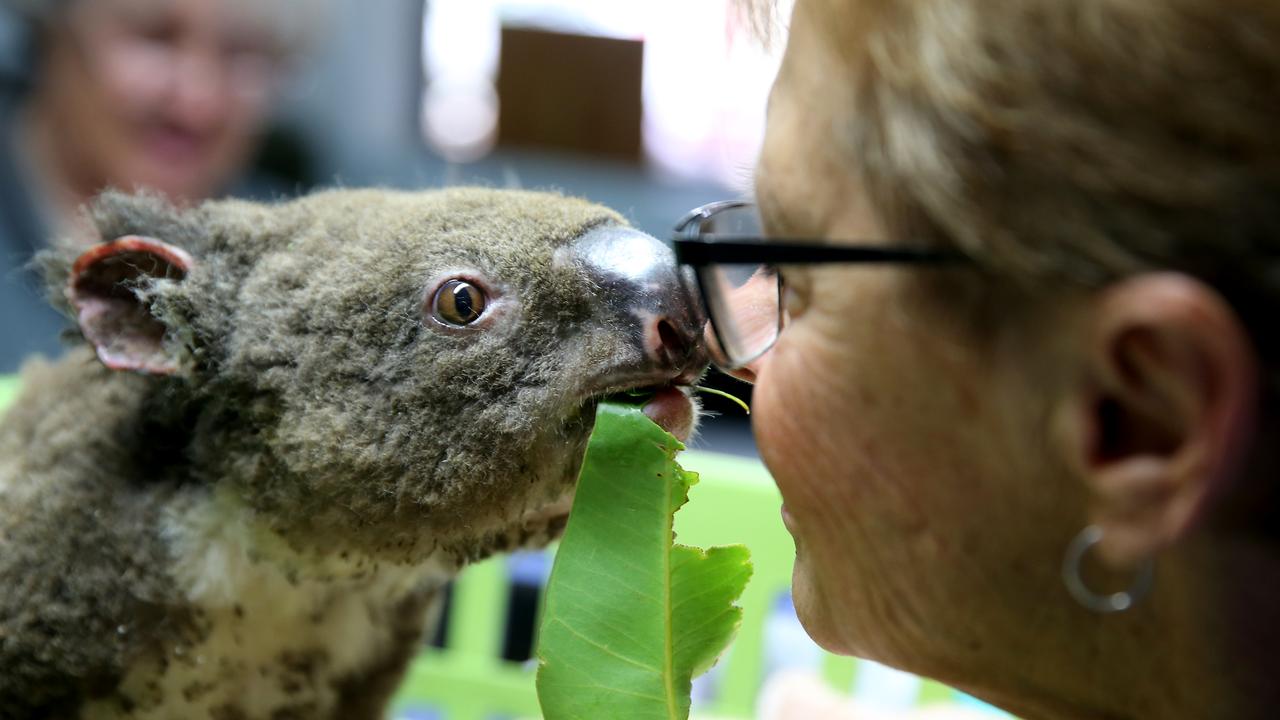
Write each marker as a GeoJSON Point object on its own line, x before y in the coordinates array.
{"type": "Point", "coordinates": [670, 406]}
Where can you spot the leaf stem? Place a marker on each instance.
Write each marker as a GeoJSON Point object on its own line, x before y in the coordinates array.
{"type": "Point", "coordinates": [733, 398]}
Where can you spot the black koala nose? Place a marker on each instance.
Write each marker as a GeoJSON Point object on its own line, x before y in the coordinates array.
{"type": "Point", "coordinates": [645, 291]}
{"type": "Point", "coordinates": [671, 344]}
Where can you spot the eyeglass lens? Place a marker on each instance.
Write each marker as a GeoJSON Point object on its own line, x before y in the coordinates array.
{"type": "Point", "coordinates": [744, 308]}
{"type": "Point", "coordinates": [743, 299]}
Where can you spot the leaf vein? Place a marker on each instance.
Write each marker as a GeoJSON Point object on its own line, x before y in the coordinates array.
{"type": "Point", "coordinates": [605, 648]}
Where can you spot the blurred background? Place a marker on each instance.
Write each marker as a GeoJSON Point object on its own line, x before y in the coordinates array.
{"type": "Point", "coordinates": [651, 108]}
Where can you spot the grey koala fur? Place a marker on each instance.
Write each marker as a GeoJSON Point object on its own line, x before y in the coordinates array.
{"type": "Point", "coordinates": [264, 531]}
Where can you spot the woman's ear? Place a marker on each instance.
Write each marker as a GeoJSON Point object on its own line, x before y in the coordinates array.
{"type": "Point", "coordinates": [109, 290]}
{"type": "Point", "coordinates": [1165, 412]}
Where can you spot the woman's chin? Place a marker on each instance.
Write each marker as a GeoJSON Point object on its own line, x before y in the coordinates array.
{"type": "Point", "coordinates": [812, 608]}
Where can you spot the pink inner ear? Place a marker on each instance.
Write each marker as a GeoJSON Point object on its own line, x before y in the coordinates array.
{"type": "Point", "coordinates": [111, 315]}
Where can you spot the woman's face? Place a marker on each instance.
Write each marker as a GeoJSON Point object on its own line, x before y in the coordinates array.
{"type": "Point", "coordinates": [166, 94]}
{"type": "Point", "coordinates": [911, 464]}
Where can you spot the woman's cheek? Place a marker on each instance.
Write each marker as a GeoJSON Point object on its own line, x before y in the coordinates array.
{"type": "Point", "coordinates": [793, 407]}
{"type": "Point", "coordinates": [779, 418]}
{"type": "Point", "coordinates": [788, 438]}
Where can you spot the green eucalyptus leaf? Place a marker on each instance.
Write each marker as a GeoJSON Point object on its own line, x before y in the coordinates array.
{"type": "Point", "coordinates": [629, 617]}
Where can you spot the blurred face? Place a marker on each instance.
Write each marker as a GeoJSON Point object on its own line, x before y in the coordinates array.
{"type": "Point", "coordinates": [166, 94]}
{"type": "Point", "coordinates": [911, 464]}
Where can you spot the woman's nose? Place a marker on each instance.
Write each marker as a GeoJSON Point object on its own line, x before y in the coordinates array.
{"type": "Point", "coordinates": [198, 96]}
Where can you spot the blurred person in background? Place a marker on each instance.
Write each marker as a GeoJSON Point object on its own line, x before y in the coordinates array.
{"type": "Point", "coordinates": [173, 96]}
{"type": "Point", "coordinates": [1042, 466]}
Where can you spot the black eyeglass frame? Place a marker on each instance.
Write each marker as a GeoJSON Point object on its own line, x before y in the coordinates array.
{"type": "Point", "coordinates": [735, 249]}
{"type": "Point", "coordinates": [699, 250]}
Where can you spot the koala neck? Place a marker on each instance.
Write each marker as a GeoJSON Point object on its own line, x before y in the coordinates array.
{"type": "Point", "coordinates": [223, 551]}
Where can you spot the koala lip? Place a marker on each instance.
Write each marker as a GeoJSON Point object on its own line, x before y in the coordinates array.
{"type": "Point", "coordinates": [673, 411]}
{"type": "Point", "coordinates": [664, 392]}
{"type": "Point", "coordinates": [668, 405]}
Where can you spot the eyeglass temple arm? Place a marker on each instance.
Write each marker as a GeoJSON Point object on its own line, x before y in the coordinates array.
{"type": "Point", "coordinates": [710, 249]}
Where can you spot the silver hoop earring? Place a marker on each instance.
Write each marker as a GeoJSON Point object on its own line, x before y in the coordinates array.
{"type": "Point", "coordinates": [1115, 602]}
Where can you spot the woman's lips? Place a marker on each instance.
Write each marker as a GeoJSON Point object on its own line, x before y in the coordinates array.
{"type": "Point", "coordinates": [672, 410]}
{"type": "Point", "coordinates": [789, 522]}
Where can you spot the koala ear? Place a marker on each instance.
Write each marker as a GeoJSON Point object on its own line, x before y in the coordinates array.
{"type": "Point", "coordinates": [109, 291]}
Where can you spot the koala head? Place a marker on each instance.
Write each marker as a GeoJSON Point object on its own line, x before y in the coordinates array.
{"type": "Point", "coordinates": [380, 370]}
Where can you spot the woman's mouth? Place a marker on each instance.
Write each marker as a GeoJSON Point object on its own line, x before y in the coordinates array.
{"type": "Point", "coordinates": [787, 519]}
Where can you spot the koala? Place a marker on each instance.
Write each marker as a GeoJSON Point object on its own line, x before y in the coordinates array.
{"type": "Point", "coordinates": [285, 427]}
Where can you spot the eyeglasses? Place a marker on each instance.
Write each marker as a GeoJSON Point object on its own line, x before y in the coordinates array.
{"type": "Point", "coordinates": [736, 271]}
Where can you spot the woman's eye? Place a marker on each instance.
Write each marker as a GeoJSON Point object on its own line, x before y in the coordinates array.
{"type": "Point", "coordinates": [458, 302]}
{"type": "Point", "coordinates": [794, 295]}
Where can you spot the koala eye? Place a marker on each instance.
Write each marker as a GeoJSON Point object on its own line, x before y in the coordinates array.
{"type": "Point", "coordinates": [458, 302]}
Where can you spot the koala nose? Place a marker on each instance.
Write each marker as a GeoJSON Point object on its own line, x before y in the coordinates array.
{"type": "Point", "coordinates": [645, 288]}
{"type": "Point", "coordinates": [668, 344]}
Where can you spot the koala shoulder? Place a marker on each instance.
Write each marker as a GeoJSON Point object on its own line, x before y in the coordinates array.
{"type": "Point", "coordinates": [78, 557]}
{"type": "Point", "coordinates": [79, 599]}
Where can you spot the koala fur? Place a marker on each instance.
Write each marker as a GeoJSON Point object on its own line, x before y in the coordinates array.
{"type": "Point", "coordinates": [264, 531]}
